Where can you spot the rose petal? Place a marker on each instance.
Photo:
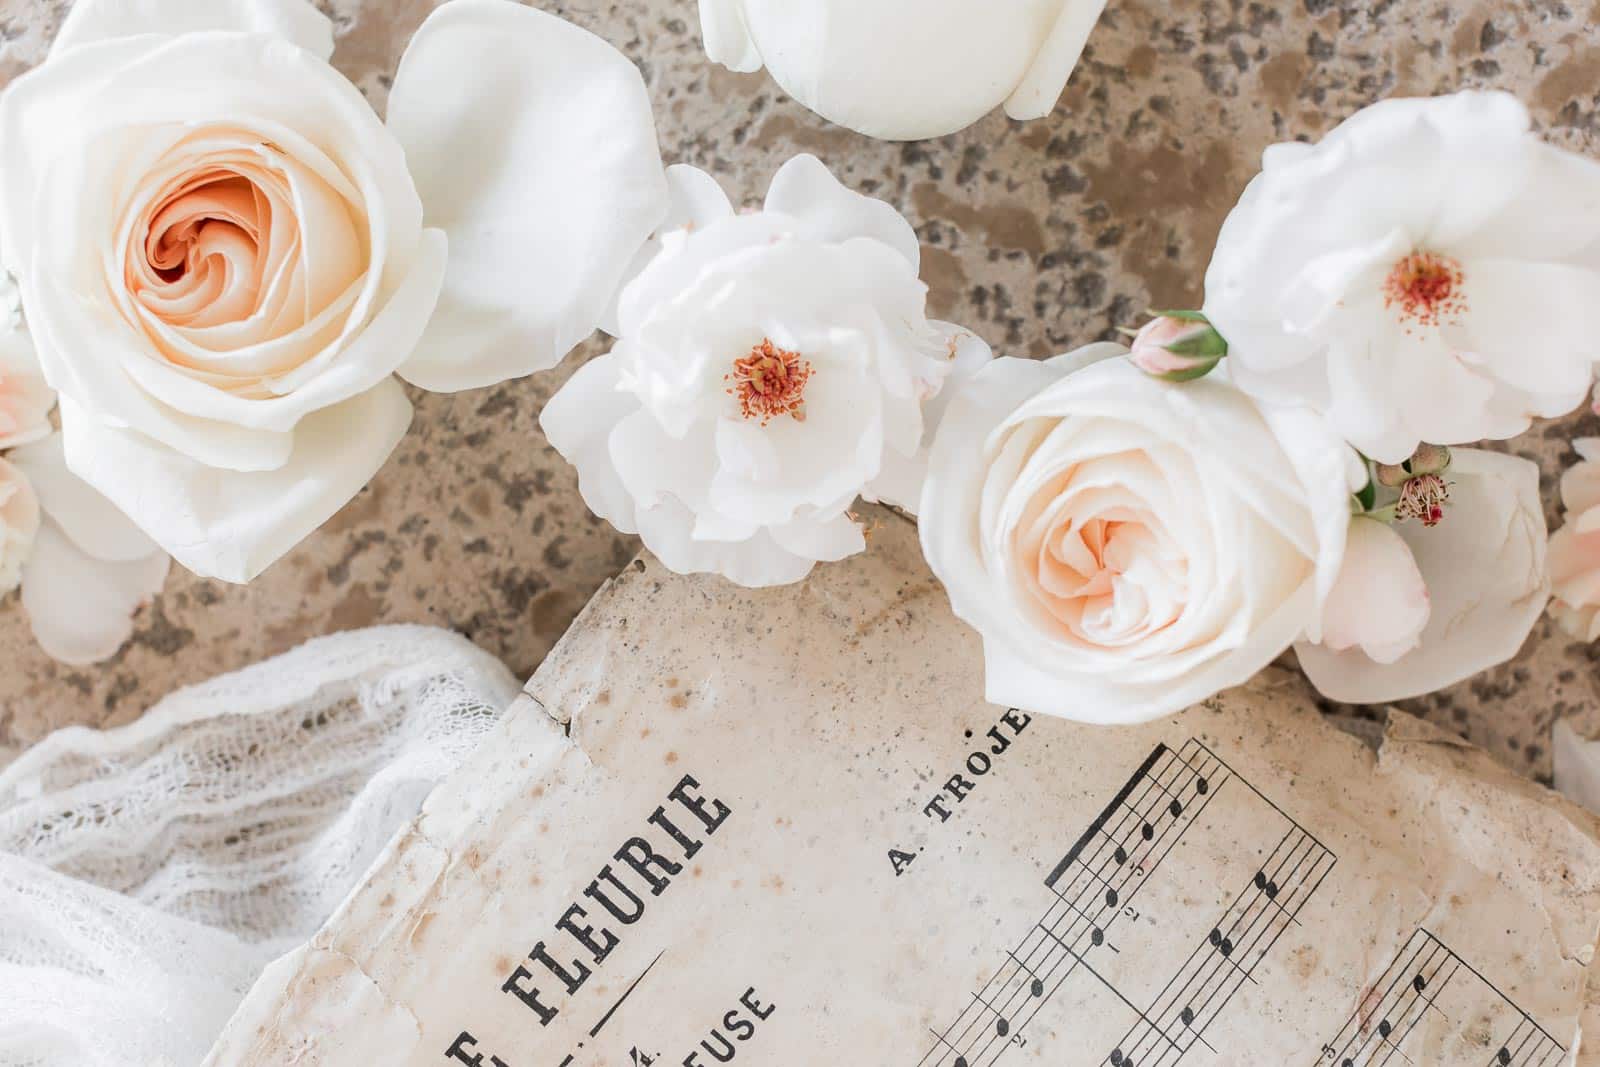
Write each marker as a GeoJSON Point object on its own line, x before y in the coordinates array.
{"type": "Point", "coordinates": [1577, 765]}
{"type": "Point", "coordinates": [949, 511]}
{"type": "Point", "coordinates": [900, 481]}
{"type": "Point", "coordinates": [1485, 571]}
{"type": "Point", "coordinates": [1380, 601]}
{"type": "Point", "coordinates": [296, 21]}
{"type": "Point", "coordinates": [758, 562]}
{"type": "Point", "coordinates": [90, 521]}
{"type": "Point", "coordinates": [897, 69]}
{"type": "Point", "coordinates": [805, 189]}
{"type": "Point", "coordinates": [695, 202]}
{"type": "Point", "coordinates": [1046, 79]}
{"type": "Point", "coordinates": [1016, 681]}
{"type": "Point", "coordinates": [540, 163]}
{"type": "Point", "coordinates": [578, 422]}
{"type": "Point", "coordinates": [20, 519]}
{"type": "Point", "coordinates": [82, 608]}
{"type": "Point", "coordinates": [25, 399]}
{"type": "Point", "coordinates": [229, 525]}
{"type": "Point", "coordinates": [727, 39]}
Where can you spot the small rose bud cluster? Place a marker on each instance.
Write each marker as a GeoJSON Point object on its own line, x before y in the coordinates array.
{"type": "Point", "coordinates": [1178, 346]}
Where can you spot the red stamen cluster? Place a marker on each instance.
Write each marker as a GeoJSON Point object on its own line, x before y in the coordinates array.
{"type": "Point", "coordinates": [1426, 288]}
{"type": "Point", "coordinates": [769, 382]}
{"type": "Point", "coordinates": [1423, 498]}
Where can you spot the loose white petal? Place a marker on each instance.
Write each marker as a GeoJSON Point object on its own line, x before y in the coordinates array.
{"type": "Point", "coordinates": [90, 521]}
{"type": "Point", "coordinates": [82, 608]}
{"type": "Point", "coordinates": [541, 165]}
{"type": "Point", "coordinates": [297, 21]}
{"type": "Point", "coordinates": [229, 525]}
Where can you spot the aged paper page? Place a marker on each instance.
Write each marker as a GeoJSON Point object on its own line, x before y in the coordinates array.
{"type": "Point", "coordinates": [783, 827]}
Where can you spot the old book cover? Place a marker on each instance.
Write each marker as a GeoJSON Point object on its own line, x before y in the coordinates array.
{"type": "Point", "coordinates": [783, 827]}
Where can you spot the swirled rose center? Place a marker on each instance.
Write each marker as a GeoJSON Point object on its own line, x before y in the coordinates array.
{"type": "Point", "coordinates": [201, 250]}
{"type": "Point", "coordinates": [1426, 288]}
{"type": "Point", "coordinates": [770, 382]}
{"type": "Point", "coordinates": [1110, 578]}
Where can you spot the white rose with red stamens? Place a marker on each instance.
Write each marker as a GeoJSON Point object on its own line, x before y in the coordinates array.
{"type": "Point", "coordinates": [771, 369]}
{"type": "Point", "coordinates": [1429, 272]}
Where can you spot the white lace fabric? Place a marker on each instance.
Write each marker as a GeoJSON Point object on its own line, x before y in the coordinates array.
{"type": "Point", "coordinates": [149, 873]}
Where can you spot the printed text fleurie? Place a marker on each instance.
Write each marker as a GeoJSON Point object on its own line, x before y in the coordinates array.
{"type": "Point", "coordinates": [559, 967]}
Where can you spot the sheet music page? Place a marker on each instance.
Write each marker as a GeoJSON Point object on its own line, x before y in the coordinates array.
{"type": "Point", "coordinates": [783, 827]}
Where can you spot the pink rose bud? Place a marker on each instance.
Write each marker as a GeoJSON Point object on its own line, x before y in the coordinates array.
{"type": "Point", "coordinates": [1178, 346]}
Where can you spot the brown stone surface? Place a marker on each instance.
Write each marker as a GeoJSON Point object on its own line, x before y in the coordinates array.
{"type": "Point", "coordinates": [1041, 236]}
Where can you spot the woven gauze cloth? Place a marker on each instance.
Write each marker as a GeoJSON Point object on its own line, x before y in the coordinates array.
{"type": "Point", "coordinates": [149, 873]}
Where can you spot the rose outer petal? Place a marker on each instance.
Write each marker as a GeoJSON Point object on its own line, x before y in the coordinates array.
{"type": "Point", "coordinates": [540, 163]}
{"type": "Point", "coordinates": [297, 21]}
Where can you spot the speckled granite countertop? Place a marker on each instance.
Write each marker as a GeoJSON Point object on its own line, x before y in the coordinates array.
{"type": "Point", "coordinates": [1041, 236]}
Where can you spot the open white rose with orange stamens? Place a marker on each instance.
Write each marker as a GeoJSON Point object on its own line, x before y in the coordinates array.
{"type": "Point", "coordinates": [906, 69]}
{"type": "Point", "coordinates": [226, 258]}
{"type": "Point", "coordinates": [771, 368]}
{"type": "Point", "coordinates": [1128, 546]}
{"type": "Point", "coordinates": [1389, 275]}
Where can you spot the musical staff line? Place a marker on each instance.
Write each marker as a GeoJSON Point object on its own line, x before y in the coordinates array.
{"type": "Point", "coordinates": [1424, 972]}
{"type": "Point", "coordinates": [1094, 887]}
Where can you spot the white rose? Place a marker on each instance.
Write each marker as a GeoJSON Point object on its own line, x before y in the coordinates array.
{"type": "Point", "coordinates": [906, 69]}
{"type": "Point", "coordinates": [226, 257]}
{"type": "Point", "coordinates": [1482, 568]}
{"type": "Point", "coordinates": [1128, 546]}
{"type": "Point", "coordinates": [770, 369]}
{"type": "Point", "coordinates": [1390, 275]}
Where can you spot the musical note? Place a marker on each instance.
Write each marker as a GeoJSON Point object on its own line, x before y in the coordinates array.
{"type": "Point", "coordinates": [1095, 886]}
{"type": "Point", "coordinates": [1427, 976]}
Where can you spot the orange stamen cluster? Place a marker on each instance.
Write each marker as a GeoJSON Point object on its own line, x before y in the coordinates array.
{"type": "Point", "coordinates": [770, 382]}
{"type": "Point", "coordinates": [1426, 288]}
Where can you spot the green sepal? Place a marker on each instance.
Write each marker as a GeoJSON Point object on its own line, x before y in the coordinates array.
{"type": "Point", "coordinates": [1368, 496]}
